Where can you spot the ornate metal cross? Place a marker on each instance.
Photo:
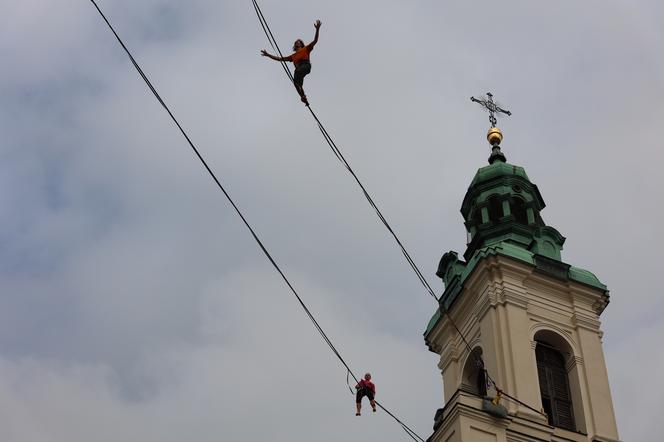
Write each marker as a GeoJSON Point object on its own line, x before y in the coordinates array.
{"type": "Point", "coordinates": [492, 107]}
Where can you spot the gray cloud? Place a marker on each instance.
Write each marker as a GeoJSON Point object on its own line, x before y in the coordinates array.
{"type": "Point", "coordinates": [134, 304]}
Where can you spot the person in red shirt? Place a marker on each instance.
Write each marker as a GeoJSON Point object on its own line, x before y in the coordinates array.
{"type": "Point", "coordinates": [365, 388]}
{"type": "Point", "coordinates": [300, 58]}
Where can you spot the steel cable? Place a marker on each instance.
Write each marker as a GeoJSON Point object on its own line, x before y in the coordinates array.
{"type": "Point", "coordinates": [320, 330]}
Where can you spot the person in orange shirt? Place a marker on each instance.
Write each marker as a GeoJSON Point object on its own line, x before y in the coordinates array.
{"type": "Point", "coordinates": [300, 58]}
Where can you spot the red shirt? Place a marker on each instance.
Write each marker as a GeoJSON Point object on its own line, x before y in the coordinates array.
{"type": "Point", "coordinates": [367, 384]}
{"type": "Point", "coordinates": [301, 55]}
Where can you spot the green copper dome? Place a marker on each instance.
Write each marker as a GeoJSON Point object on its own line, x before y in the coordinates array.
{"type": "Point", "coordinates": [498, 169]}
{"type": "Point", "coordinates": [502, 204]}
{"type": "Point", "coordinates": [501, 212]}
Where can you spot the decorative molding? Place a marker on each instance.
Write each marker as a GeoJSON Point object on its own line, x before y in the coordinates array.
{"type": "Point", "coordinates": [572, 362]}
{"type": "Point", "coordinates": [584, 321]}
{"type": "Point", "coordinates": [512, 297]}
{"type": "Point", "coordinates": [449, 354]}
{"type": "Point", "coordinates": [564, 334]}
{"type": "Point", "coordinates": [467, 405]}
{"type": "Point", "coordinates": [600, 304]}
{"type": "Point", "coordinates": [556, 319]}
{"type": "Point", "coordinates": [598, 438]}
{"type": "Point", "coordinates": [435, 347]}
{"type": "Point", "coordinates": [484, 303]}
{"type": "Point", "coordinates": [524, 429]}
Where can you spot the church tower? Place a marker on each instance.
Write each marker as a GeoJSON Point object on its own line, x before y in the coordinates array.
{"type": "Point", "coordinates": [517, 329]}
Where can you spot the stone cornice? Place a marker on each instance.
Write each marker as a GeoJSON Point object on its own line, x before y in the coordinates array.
{"type": "Point", "coordinates": [506, 296]}
{"type": "Point", "coordinates": [598, 438]}
{"type": "Point", "coordinates": [601, 303]}
{"type": "Point", "coordinates": [449, 354]}
{"type": "Point", "coordinates": [434, 347]}
{"type": "Point", "coordinates": [484, 303]}
{"type": "Point", "coordinates": [463, 404]}
{"type": "Point", "coordinates": [517, 428]}
{"type": "Point", "coordinates": [585, 321]}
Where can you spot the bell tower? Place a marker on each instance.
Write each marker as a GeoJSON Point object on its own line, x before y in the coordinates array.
{"type": "Point", "coordinates": [517, 329]}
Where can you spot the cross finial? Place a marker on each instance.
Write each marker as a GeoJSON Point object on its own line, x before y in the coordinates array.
{"type": "Point", "coordinates": [492, 107]}
{"type": "Point", "coordinates": [494, 136]}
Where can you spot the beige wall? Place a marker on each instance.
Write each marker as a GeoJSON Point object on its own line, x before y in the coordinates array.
{"type": "Point", "coordinates": [504, 307]}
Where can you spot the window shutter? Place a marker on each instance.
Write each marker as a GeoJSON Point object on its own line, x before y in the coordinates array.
{"type": "Point", "coordinates": [564, 414]}
{"type": "Point", "coordinates": [554, 387]}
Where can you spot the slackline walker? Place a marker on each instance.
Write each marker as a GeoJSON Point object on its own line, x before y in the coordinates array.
{"type": "Point", "coordinates": [300, 58]}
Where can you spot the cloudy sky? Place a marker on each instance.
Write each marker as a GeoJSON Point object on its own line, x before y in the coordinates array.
{"type": "Point", "coordinates": [134, 305]}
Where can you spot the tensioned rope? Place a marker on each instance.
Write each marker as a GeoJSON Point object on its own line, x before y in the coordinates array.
{"type": "Point", "coordinates": [335, 149]}
{"type": "Point", "coordinates": [320, 330]}
{"type": "Point", "coordinates": [340, 156]}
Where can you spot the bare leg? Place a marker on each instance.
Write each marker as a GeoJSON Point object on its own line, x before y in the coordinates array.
{"type": "Point", "coordinates": [358, 406]}
{"type": "Point", "coordinates": [373, 405]}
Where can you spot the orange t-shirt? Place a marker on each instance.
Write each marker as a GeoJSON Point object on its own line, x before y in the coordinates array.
{"type": "Point", "coordinates": [301, 55]}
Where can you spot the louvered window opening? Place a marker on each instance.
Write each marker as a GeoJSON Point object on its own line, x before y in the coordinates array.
{"type": "Point", "coordinates": [518, 209]}
{"type": "Point", "coordinates": [495, 208]}
{"type": "Point", "coordinates": [554, 387]}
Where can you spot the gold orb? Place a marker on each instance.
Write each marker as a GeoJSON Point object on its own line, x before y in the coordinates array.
{"type": "Point", "coordinates": [494, 136]}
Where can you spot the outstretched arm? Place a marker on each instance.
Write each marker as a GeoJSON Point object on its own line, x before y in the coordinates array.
{"type": "Point", "coordinates": [264, 53]}
{"type": "Point", "coordinates": [311, 45]}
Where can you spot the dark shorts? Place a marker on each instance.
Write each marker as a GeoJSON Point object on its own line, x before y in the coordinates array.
{"type": "Point", "coordinates": [363, 392]}
{"type": "Point", "coordinates": [302, 69]}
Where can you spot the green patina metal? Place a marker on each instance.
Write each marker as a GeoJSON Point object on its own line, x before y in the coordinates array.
{"type": "Point", "coordinates": [456, 273]}
{"type": "Point", "coordinates": [586, 277]}
{"type": "Point", "coordinates": [498, 169]}
{"type": "Point", "coordinates": [501, 211]}
{"type": "Point", "coordinates": [502, 204]}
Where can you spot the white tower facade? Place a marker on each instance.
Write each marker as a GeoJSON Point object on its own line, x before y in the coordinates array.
{"type": "Point", "coordinates": [515, 319]}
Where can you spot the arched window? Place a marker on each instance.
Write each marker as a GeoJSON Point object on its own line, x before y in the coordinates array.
{"type": "Point", "coordinates": [518, 209]}
{"type": "Point", "coordinates": [495, 209]}
{"type": "Point", "coordinates": [476, 219]}
{"type": "Point", "coordinates": [474, 380]}
{"type": "Point", "coordinates": [554, 386]}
